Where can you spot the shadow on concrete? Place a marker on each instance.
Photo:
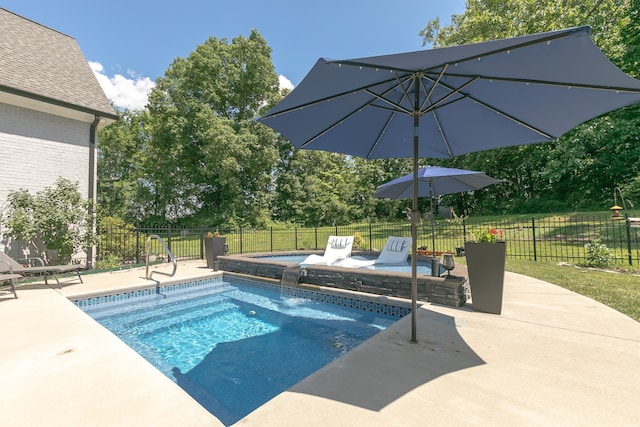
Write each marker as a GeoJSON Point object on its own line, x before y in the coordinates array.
{"type": "Point", "coordinates": [371, 375]}
{"type": "Point", "coordinates": [388, 366]}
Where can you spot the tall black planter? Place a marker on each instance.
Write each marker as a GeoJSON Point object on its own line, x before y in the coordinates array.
{"type": "Point", "coordinates": [485, 265]}
{"type": "Point", "coordinates": [213, 247]}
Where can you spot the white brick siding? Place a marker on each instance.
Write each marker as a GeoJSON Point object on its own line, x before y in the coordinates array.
{"type": "Point", "coordinates": [36, 148]}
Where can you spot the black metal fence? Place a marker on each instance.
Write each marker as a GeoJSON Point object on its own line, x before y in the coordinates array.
{"type": "Point", "coordinates": [561, 238]}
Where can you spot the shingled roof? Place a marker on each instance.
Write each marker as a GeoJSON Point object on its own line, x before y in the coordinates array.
{"type": "Point", "coordinates": [47, 66]}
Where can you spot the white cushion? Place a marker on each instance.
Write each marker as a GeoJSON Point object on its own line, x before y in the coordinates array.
{"type": "Point", "coordinates": [395, 251]}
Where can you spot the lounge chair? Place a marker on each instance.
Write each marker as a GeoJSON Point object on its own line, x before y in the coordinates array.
{"type": "Point", "coordinates": [44, 270]}
{"type": "Point", "coordinates": [10, 277]}
{"type": "Point", "coordinates": [395, 251]}
{"type": "Point", "coordinates": [338, 247]}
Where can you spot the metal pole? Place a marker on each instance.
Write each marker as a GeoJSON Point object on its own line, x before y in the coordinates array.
{"type": "Point", "coordinates": [415, 215]}
{"type": "Point", "coordinates": [628, 239]}
{"type": "Point", "coordinates": [533, 231]}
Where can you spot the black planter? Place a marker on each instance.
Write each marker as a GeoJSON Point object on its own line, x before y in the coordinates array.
{"type": "Point", "coordinates": [213, 247]}
{"type": "Point", "coordinates": [485, 265]}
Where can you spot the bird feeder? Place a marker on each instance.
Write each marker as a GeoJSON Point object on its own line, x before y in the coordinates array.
{"type": "Point", "coordinates": [615, 212]}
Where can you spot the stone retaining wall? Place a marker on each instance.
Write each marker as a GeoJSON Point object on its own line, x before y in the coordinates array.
{"type": "Point", "coordinates": [442, 290]}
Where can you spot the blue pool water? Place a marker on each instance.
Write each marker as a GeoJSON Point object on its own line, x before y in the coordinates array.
{"type": "Point", "coordinates": [232, 347]}
{"type": "Point", "coordinates": [422, 268]}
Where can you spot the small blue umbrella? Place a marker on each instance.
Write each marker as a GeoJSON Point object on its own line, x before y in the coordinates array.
{"type": "Point", "coordinates": [434, 181]}
{"type": "Point", "coordinates": [441, 103]}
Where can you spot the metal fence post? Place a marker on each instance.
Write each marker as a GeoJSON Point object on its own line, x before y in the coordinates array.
{"type": "Point", "coordinates": [533, 230]}
{"type": "Point", "coordinates": [138, 244]}
{"type": "Point", "coordinates": [370, 237]}
{"type": "Point", "coordinates": [628, 239]}
{"type": "Point", "coordinates": [241, 240]}
{"type": "Point", "coordinates": [271, 239]}
{"type": "Point", "coordinates": [315, 229]}
{"type": "Point", "coordinates": [202, 242]}
{"type": "Point", "coordinates": [295, 238]}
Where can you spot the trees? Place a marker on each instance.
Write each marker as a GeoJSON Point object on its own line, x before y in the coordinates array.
{"type": "Point", "coordinates": [204, 143]}
{"type": "Point", "coordinates": [583, 167]}
{"type": "Point", "coordinates": [195, 154]}
{"type": "Point", "coordinates": [120, 155]}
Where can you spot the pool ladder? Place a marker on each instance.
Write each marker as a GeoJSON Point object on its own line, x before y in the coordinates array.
{"type": "Point", "coordinates": [171, 257]}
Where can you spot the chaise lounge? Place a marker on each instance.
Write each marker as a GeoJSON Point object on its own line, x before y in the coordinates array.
{"type": "Point", "coordinates": [11, 266]}
{"type": "Point", "coordinates": [338, 247]}
{"type": "Point", "coordinates": [10, 277]}
{"type": "Point", "coordinates": [395, 251]}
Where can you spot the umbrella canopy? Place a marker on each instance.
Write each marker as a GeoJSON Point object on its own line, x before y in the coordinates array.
{"type": "Point", "coordinates": [434, 181]}
{"type": "Point", "coordinates": [446, 102]}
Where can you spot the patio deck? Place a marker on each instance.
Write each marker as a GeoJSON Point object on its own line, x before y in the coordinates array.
{"type": "Point", "coordinates": [552, 358]}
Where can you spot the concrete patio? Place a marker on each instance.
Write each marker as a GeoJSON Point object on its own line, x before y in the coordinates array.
{"type": "Point", "coordinates": [552, 357]}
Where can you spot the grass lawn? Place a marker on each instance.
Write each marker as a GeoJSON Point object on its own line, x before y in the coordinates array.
{"type": "Point", "coordinates": [618, 290]}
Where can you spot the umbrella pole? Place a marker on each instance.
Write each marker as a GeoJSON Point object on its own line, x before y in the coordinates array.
{"type": "Point", "coordinates": [433, 230]}
{"type": "Point", "coordinates": [415, 215]}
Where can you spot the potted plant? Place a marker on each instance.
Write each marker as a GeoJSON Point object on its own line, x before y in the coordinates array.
{"type": "Point", "coordinates": [214, 246]}
{"type": "Point", "coordinates": [486, 253]}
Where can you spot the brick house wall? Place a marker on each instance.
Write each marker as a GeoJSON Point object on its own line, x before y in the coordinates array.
{"type": "Point", "coordinates": [37, 148]}
{"type": "Point", "coordinates": [51, 106]}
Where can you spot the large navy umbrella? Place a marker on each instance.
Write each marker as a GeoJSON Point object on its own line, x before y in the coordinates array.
{"type": "Point", "coordinates": [446, 102]}
{"type": "Point", "coordinates": [434, 181]}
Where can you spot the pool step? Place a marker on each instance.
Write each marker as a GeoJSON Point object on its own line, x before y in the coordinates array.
{"type": "Point", "coordinates": [154, 325]}
{"type": "Point", "coordinates": [181, 311]}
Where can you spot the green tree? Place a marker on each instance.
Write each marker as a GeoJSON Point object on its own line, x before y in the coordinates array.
{"type": "Point", "coordinates": [120, 153]}
{"type": "Point", "coordinates": [55, 218]}
{"type": "Point", "coordinates": [314, 188]}
{"type": "Point", "coordinates": [206, 159]}
{"type": "Point", "coordinates": [581, 169]}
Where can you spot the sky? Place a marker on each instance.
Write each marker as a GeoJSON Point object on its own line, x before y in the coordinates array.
{"type": "Point", "coordinates": [129, 44]}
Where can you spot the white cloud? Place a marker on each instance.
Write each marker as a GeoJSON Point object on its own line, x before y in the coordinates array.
{"type": "Point", "coordinates": [285, 83]}
{"type": "Point", "coordinates": [132, 92]}
{"type": "Point", "coordinates": [125, 92]}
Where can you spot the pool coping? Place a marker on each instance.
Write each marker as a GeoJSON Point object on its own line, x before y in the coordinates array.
{"type": "Point", "coordinates": [390, 306]}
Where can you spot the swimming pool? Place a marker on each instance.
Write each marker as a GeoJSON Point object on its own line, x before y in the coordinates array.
{"type": "Point", "coordinates": [233, 345]}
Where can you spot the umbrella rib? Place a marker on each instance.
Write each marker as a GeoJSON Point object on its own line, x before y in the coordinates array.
{"type": "Point", "coordinates": [435, 83]}
{"type": "Point", "coordinates": [442, 135]}
{"type": "Point", "coordinates": [459, 90]}
{"type": "Point", "coordinates": [549, 83]}
{"type": "Point", "coordinates": [541, 40]}
{"type": "Point", "coordinates": [338, 95]}
{"type": "Point", "coordinates": [440, 103]}
{"type": "Point", "coordinates": [396, 105]}
{"type": "Point", "coordinates": [380, 135]}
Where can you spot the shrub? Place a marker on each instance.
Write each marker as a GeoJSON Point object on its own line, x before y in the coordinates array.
{"type": "Point", "coordinates": [597, 254]}
{"type": "Point", "coordinates": [56, 218]}
{"type": "Point", "coordinates": [111, 261]}
{"type": "Point", "coordinates": [358, 241]}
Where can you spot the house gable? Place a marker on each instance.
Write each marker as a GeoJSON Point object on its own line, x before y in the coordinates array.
{"type": "Point", "coordinates": [44, 69]}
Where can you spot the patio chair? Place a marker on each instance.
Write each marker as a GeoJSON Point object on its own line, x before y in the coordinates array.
{"type": "Point", "coordinates": [44, 270]}
{"type": "Point", "coordinates": [11, 277]}
{"type": "Point", "coordinates": [395, 251]}
{"type": "Point", "coordinates": [338, 247]}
